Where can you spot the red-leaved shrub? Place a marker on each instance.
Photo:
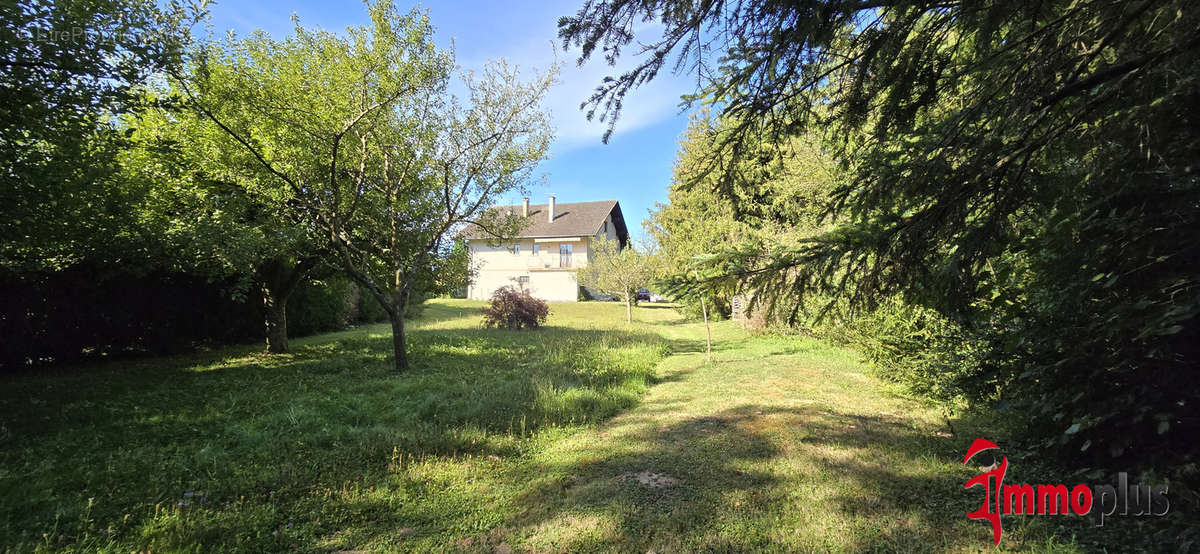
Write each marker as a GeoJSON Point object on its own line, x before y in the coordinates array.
{"type": "Point", "coordinates": [514, 309]}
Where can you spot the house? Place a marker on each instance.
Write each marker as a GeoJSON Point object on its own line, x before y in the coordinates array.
{"type": "Point", "coordinates": [546, 257]}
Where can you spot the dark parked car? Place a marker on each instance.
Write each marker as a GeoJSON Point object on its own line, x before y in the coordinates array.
{"type": "Point", "coordinates": [643, 294]}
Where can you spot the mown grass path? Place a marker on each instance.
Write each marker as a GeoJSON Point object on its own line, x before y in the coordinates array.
{"type": "Point", "coordinates": [583, 436]}
{"type": "Point", "coordinates": [781, 443]}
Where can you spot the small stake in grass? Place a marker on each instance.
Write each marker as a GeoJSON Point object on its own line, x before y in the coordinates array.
{"type": "Point", "coordinates": [707, 332]}
{"type": "Point", "coordinates": [707, 329]}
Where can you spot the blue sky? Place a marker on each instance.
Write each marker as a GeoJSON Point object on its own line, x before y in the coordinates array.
{"type": "Point", "coordinates": [634, 168]}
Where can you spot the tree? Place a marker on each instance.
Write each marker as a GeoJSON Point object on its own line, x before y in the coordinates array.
{"type": "Point", "coordinates": [444, 168]}
{"type": "Point", "coordinates": [358, 136]}
{"type": "Point", "coordinates": [1025, 168]}
{"type": "Point", "coordinates": [70, 70]}
{"type": "Point", "coordinates": [204, 212]}
{"type": "Point", "coordinates": [781, 199]}
{"type": "Point", "coordinates": [693, 222]}
{"type": "Point", "coordinates": [71, 75]}
{"type": "Point", "coordinates": [783, 203]}
{"type": "Point", "coordinates": [617, 271]}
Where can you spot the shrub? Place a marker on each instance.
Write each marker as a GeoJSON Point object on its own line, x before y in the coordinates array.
{"type": "Point", "coordinates": [333, 304]}
{"type": "Point", "coordinates": [515, 309]}
{"type": "Point", "coordinates": [322, 305]}
{"type": "Point", "coordinates": [915, 347]}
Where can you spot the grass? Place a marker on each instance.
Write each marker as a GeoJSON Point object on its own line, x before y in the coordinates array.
{"type": "Point", "coordinates": [582, 436]}
{"type": "Point", "coordinates": [237, 450]}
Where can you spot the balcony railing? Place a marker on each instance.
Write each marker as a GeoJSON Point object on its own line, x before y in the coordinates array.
{"type": "Point", "coordinates": [546, 262]}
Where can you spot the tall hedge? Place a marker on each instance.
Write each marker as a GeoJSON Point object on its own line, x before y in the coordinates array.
{"type": "Point", "coordinates": [90, 313]}
{"type": "Point", "coordinates": [84, 313]}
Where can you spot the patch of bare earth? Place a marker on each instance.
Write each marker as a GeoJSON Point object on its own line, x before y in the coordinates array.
{"type": "Point", "coordinates": [651, 479]}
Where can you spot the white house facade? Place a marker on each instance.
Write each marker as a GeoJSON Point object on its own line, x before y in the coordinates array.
{"type": "Point", "coordinates": [546, 257]}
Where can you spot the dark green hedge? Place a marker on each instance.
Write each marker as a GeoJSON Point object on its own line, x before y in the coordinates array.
{"type": "Point", "coordinates": [90, 313]}
{"type": "Point", "coordinates": [329, 305]}
{"type": "Point", "coordinates": [86, 312]}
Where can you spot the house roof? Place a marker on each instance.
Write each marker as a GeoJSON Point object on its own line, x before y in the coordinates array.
{"type": "Point", "coordinates": [571, 219]}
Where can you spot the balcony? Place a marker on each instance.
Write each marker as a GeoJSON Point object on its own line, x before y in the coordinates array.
{"type": "Point", "coordinates": [547, 262]}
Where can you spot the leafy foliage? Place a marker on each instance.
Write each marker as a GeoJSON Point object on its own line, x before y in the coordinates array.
{"type": "Point", "coordinates": [69, 70]}
{"type": "Point", "coordinates": [331, 304]}
{"type": "Point", "coordinates": [618, 271]}
{"type": "Point", "coordinates": [510, 308]}
{"type": "Point", "coordinates": [212, 219]}
{"type": "Point", "coordinates": [359, 138]}
{"type": "Point", "coordinates": [915, 347]}
{"type": "Point", "coordinates": [92, 187]}
{"type": "Point", "coordinates": [781, 198]}
{"type": "Point", "coordinates": [1024, 169]}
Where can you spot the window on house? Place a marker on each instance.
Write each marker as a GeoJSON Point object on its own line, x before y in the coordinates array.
{"type": "Point", "coordinates": [605, 228]}
{"type": "Point", "coordinates": [516, 249]}
{"type": "Point", "coordinates": [523, 279]}
{"type": "Point", "coordinates": [536, 248]}
{"type": "Point", "coordinates": [564, 255]}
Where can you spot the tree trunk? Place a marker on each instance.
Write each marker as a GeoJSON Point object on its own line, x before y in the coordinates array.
{"type": "Point", "coordinates": [394, 304]}
{"type": "Point", "coordinates": [275, 306]}
{"type": "Point", "coordinates": [707, 330]}
{"type": "Point", "coordinates": [398, 346]}
{"type": "Point", "coordinates": [396, 314]}
{"type": "Point", "coordinates": [279, 277]}
{"type": "Point", "coordinates": [628, 310]}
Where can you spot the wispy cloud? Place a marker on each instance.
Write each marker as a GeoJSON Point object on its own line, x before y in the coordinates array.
{"type": "Point", "coordinates": [652, 103]}
{"type": "Point", "coordinates": [523, 32]}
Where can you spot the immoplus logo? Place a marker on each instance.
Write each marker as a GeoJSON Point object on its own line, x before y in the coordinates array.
{"type": "Point", "coordinates": [1041, 500]}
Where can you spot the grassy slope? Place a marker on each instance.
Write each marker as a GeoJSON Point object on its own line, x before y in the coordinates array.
{"type": "Point", "coordinates": [497, 440]}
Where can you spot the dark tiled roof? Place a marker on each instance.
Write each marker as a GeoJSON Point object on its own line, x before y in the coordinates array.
{"type": "Point", "coordinates": [571, 219]}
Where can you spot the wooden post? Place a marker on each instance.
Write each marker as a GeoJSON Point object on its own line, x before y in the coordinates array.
{"type": "Point", "coordinates": [707, 329]}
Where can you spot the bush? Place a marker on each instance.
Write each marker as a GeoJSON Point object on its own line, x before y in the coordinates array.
{"type": "Point", "coordinates": [369, 310]}
{"type": "Point", "coordinates": [924, 352]}
{"type": "Point", "coordinates": [915, 347]}
{"type": "Point", "coordinates": [322, 305]}
{"type": "Point", "coordinates": [515, 309]}
{"type": "Point", "coordinates": [719, 307]}
{"type": "Point", "coordinates": [333, 304]}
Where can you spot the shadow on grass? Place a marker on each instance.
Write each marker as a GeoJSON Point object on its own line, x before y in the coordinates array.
{"type": "Point", "coordinates": [746, 479]}
{"type": "Point", "coordinates": [212, 451]}
{"type": "Point", "coordinates": [328, 449]}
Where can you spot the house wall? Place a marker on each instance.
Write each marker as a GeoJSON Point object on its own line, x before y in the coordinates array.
{"type": "Point", "coordinates": [498, 266]}
{"type": "Point", "coordinates": [607, 231]}
{"type": "Point", "coordinates": [554, 286]}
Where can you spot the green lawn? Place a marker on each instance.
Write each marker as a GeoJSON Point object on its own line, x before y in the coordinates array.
{"type": "Point", "coordinates": [585, 435]}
